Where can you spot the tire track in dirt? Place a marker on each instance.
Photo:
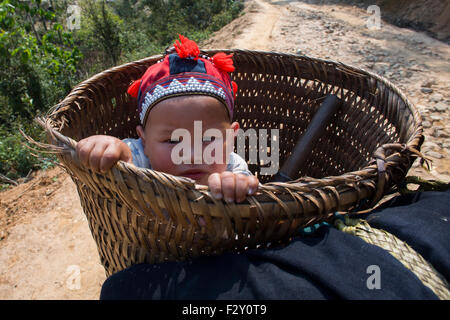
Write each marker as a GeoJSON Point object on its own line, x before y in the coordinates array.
{"type": "Point", "coordinates": [258, 35]}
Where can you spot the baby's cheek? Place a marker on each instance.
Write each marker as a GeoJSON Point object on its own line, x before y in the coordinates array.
{"type": "Point", "coordinates": [220, 165]}
{"type": "Point", "coordinates": [160, 160]}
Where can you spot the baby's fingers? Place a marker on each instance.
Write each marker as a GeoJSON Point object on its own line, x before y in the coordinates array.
{"type": "Point", "coordinates": [84, 148]}
{"type": "Point", "coordinates": [242, 184]}
{"type": "Point", "coordinates": [228, 186]}
{"type": "Point", "coordinates": [215, 185]}
{"type": "Point", "coordinates": [109, 158]}
{"type": "Point", "coordinates": [253, 184]}
{"type": "Point", "coordinates": [96, 156]}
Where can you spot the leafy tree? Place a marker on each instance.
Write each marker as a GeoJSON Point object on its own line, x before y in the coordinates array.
{"type": "Point", "coordinates": [103, 26]}
{"type": "Point", "coordinates": [41, 60]}
{"type": "Point", "coordinates": [36, 55]}
{"type": "Point", "coordinates": [39, 63]}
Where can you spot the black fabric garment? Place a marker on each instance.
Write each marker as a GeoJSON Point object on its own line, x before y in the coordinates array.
{"type": "Point", "coordinates": [422, 220]}
{"type": "Point", "coordinates": [329, 264]}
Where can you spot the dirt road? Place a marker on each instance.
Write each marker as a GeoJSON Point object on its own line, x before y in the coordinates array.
{"type": "Point", "coordinates": [46, 249]}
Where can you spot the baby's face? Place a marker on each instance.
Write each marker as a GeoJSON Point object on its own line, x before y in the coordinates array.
{"type": "Point", "coordinates": [180, 113]}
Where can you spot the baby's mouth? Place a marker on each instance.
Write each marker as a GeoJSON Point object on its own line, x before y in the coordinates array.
{"type": "Point", "coordinates": [193, 174]}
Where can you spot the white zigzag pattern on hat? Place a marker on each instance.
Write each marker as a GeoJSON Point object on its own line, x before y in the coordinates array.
{"type": "Point", "coordinates": [193, 85]}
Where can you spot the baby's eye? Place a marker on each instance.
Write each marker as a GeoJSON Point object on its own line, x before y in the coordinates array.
{"type": "Point", "coordinates": [173, 141]}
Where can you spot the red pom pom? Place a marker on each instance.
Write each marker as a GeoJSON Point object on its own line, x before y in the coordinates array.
{"type": "Point", "coordinates": [235, 88]}
{"type": "Point", "coordinates": [186, 48]}
{"type": "Point", "coordinates": [223, 62]}
{"type": "Point", "coordinates": [133, 90]}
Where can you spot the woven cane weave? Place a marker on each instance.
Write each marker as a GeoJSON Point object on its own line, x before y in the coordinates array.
{"type": "Point", "coordinates": [401, 251]}
{"type": "Point", "coordinates": [140, 215]}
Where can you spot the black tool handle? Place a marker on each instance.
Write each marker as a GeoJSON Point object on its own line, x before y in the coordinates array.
{"type": "Point", "coordinates": [308, 140]}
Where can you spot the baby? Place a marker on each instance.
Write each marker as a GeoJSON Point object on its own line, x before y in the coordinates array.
{"type": "Point", "coordinates": [174, 94]}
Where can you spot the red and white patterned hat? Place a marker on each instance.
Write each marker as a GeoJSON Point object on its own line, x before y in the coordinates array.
{"type": "Point", "coordinates": [185, 73]}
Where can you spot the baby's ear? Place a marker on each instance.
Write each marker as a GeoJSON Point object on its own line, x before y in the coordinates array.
{"type": "Point", "coordinates": [140, 132]}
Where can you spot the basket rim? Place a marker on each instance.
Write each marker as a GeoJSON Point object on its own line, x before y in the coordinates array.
{"type": "Point", "coordinates": [358, 178]}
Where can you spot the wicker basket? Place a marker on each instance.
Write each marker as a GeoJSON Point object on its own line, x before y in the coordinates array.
{"type": "Point", "coordinates": [140, 215]}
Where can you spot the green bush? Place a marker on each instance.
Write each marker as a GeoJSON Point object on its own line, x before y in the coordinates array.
{"type": "Point", "coordinates": [16, 158]}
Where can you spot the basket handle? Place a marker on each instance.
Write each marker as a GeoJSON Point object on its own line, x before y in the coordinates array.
{"type": "Point", "coordinates": [381, 159]}
{"type": "Point", "coordinates": [308, 139]}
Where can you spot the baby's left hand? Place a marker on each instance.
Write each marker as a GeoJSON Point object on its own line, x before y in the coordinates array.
{"type": "Point", "coordinates": [232, 186]}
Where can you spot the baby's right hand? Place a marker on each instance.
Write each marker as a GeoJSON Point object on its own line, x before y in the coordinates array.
{"type": "Point", "coordinates": [100, 152]}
